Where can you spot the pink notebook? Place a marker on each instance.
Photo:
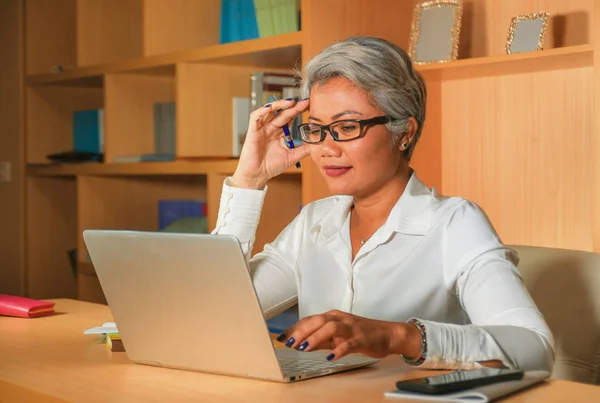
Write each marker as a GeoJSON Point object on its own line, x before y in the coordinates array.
{"type": "Point", "coordinates": [11, 305]}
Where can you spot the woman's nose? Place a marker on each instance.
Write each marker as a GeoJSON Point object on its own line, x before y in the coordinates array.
{"type": "Point", "coordinates": [330, 148]}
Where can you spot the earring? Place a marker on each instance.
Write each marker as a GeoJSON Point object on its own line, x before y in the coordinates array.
{"type": "Point", "coordinates": [404, 145]}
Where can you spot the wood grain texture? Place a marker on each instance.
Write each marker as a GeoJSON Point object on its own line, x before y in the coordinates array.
{"type": "Point", "coordinates": [51, 232]}
{"type": "Point", "coordinates": [427, 157]}
{"type": "Point", "coordinates": [486, 22]}
{"type": "Point", "coordinates": [214, 186]}
{"type": "Point", "coordinates": [109, 30]}
{"type": "Point", "coordinates": [129, 112]}
{"type": "Point", "coordinates": [175, 25]}
{"type": "Point", "coordinates": [596, 130]}
{"type": "Point", "coordinates": [49, 118]}
{"type": "Point", "coordinates": [521, 147]}
{"type": "Point", "coordinates": [51, 35]}
{"type": "Point", "coordinates": [12, 262]}
{"type": "Point", "coordinates": [205, 107]}
{"type": "Point", "coordinates": [70, 366]}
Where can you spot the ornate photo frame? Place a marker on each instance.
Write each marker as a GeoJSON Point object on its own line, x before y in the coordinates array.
{"type": "Point", "coordinates": [435, 31]}
{"type": "Point", "coordinates": [527, 32]}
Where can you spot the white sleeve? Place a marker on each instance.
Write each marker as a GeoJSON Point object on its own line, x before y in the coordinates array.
{"type": "Point", "coordinates": [506, 324]}
{"type": "Point", "coordinates": [274, 269]}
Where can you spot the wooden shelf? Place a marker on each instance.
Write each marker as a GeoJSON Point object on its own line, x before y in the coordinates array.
{"type": "Point", "coordinates": [552, 59]}
{"type": "Point", "coordinates": [280, 51]}
{"type": "Point", "coordinates": [204, 167]}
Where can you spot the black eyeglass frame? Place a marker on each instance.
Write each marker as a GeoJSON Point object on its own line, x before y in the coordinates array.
{"type": "Point", "coordinates": [363, 123]}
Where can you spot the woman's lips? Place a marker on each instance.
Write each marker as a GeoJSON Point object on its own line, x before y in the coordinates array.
{"type": "Point", "coordinates": [333, 170]}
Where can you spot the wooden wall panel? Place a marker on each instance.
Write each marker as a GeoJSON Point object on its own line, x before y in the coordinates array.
{"type": "Point", "coordinates": [174, 25]}
{"type": "Point", "coordinates": [521, 147]}
{"type": "Point", "coordinates": [109, 31]}
{"type": "Point", "coordinates": [486, 22]}
{"type": "Point", "coordinates": [50, 234]}
{"type": "Point", "coordinates": [427, 157]}
{"type": "Point", "coordinates": [595, 218]}
{"type": "Point", "coordinates": [12, 279]}
{"type": "Point", "coordinates": [50, 36]}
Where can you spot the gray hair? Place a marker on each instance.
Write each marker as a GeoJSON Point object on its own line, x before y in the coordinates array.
{"type": "Point", "coordinates": [384, 71]}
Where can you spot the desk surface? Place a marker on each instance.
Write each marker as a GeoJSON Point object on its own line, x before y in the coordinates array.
{"type": "Point", "coordinates": [50, 360]}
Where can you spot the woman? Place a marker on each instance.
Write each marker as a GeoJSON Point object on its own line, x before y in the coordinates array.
{"type": "Point", "coordinates": [386, 266]}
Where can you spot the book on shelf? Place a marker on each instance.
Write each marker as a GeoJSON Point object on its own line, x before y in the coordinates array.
{"type": "Point", "coordinates": [293, 92]}
{"type": "Point", "coordinates": [164, 128]}
{"type": "Point", "coordinates": [188, 216]}
{"type": "Point", "coordinates": [249, 19]}
{"type": "Point", "coordinates": [266, 87]}
{"type": "Point", "coordinates": [88, 131]}
{"type": "Point", "coordinates": [241, 118]}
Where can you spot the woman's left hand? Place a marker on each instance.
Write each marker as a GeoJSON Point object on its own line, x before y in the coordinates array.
{"type": "Point", "coordinates": [345, 333]}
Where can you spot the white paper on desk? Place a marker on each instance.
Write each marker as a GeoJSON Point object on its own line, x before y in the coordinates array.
{"type": "Point", "coordinates": [485, 393]}
{"type": "Point", "coordinates": [107, 327]}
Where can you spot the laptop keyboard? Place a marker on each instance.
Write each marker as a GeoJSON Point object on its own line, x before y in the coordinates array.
{"type": "Point", "coordinates": [303, 366]}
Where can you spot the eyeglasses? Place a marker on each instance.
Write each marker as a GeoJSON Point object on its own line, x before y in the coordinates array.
{"type": "Point", "coordinates": [340, 130]}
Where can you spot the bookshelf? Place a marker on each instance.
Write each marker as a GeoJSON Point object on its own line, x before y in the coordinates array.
{"type": "Point", "coordinates": [496, 124]}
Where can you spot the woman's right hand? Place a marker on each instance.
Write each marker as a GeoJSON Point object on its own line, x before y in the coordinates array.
{"type": "Point", "coordinates": [265, 154]}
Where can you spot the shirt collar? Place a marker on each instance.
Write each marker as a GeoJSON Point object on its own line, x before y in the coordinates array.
{"type": "Point", "coordinates": [411, 215]}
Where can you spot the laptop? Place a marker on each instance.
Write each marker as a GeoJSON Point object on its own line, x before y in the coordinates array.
{"type": "Point", "coordinates": [187, 301]}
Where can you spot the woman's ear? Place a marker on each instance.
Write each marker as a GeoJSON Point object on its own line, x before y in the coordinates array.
{"type": "Point", "coordinates": [407, 139]}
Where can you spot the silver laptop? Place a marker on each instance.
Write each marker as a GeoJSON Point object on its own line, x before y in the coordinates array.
{"type": "Point", "coordinates": [187, 301]}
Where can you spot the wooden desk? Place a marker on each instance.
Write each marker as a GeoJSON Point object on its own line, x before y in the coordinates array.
{"type": "Point", "coordinates": [50, 360]}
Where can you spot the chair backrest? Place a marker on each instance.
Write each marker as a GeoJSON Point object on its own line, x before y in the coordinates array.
{"type": "Point", "coordinates": [565, 285]}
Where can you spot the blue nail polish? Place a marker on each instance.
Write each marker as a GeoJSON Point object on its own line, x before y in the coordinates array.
{"type": "Point", "coordinates": [289, 99]}
{"type": "Point", "coordinates": [305, 99]}
{"type": "Point", "coordinates": [290, 341]}
{"type": "Point", "coordinates": [281, 337]}
{"type": "Point", "coordinates": [330, 357]}
{"type": "Point", "coordinates": [267, 105]}
{"type": "Point", "coordinates": [303, 346]}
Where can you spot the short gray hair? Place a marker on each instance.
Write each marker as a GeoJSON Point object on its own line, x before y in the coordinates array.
{"type": "Point", "coordinates": [380, 68]}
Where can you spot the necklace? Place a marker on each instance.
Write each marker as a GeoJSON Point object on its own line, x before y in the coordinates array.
{"type": "Point", "coordinates": [362, 240]}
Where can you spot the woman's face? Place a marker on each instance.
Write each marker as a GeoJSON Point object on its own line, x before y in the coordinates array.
{"type": "Point", "coordinates": [358, 167]}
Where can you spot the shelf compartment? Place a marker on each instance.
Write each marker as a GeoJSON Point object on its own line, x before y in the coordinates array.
{"type": "Point", "coordinates": [50, 118]}
{"type": "Point", "coordinates": [517, 63]}
{"type": "Point", "coordinates": [129, 202]}
{"type": "Point", "coordinates": [129, 119]}
{"type": "Point", "coordinates": [281, 51]}
{"type": "Point", "coordinates": [205, 111]}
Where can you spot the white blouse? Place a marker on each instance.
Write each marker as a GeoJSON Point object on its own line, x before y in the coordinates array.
{"type": "Point", "coordinates": [436, 258]}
